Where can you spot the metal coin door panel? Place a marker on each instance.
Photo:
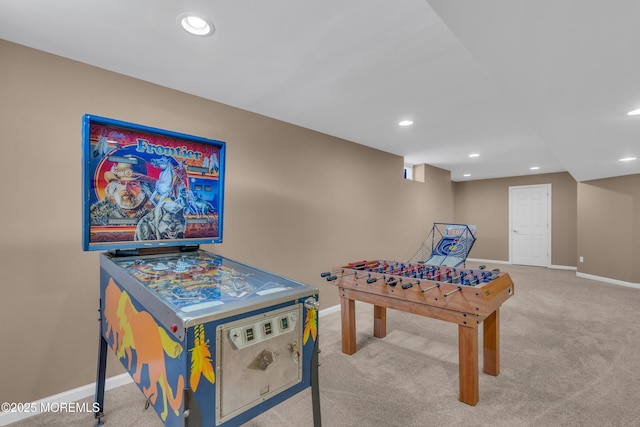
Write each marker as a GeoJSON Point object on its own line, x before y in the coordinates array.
{"type": "Point", "coordinates": [258, 357]}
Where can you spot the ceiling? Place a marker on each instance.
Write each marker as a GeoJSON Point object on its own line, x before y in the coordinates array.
{"type": "Point", "coordinates": [523, 83]}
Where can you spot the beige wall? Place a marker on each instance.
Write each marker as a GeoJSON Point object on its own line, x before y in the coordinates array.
{"type": "Point", "coordinates": [297, 203]}
{"type": "Point", "coordinates": [609, 228]}
{"type": "Point", "coordinates": [485, 203]}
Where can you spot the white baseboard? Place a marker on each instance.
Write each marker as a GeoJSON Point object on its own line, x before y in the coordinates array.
{"type": "Point", "coordinates": [64, 398]}
{"type": "Point", "coordinates": [76, 394]}
{"type": "Point", "coordinates": [494, 261]}
{"type": "Point", "coordinates": [563, 267]}
{"type": "Point", "coordinates": [608, 280]}
{"type": "Point", "coordinates": [329, 310]}
{"type": "Point", "coordinates": [568, 267]}
{"type": "Point", "coordinates": [488, 261]}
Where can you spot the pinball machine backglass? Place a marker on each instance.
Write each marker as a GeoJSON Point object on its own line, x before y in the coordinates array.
{"type": "Point", "coordinates": [208, 340]}
{"type": "Point", "coordinates": [146, 187]}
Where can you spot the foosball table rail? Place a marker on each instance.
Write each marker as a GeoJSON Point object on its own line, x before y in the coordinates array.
{"type": "Point", "coordinates": [439, 288]}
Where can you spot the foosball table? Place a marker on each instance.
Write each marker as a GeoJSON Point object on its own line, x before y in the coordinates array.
{"type": "Point", "coordinates": [464, 296]}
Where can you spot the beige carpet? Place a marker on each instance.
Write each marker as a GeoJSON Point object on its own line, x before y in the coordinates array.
{"type": "Point", "coordinates": [570, 356]}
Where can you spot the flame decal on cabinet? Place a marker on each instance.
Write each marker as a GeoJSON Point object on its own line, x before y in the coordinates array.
{"type": "Point", "coordinates": [201, 364]}
{"type": "Point", "coordinates": [311, 324]}
{"type": "Point", "coordinates": [137, 332]}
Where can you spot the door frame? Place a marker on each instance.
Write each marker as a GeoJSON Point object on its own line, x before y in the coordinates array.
{"type": "Point", "coordinates": [549, 219]}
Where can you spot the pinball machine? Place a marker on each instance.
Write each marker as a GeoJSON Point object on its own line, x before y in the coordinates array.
{"type": "Point", "coordinates": [209, 341]}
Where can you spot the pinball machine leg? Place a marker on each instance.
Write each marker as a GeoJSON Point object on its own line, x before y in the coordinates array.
{"type": "Point", "coordinates": [315, 386]}
{"type": "Point", "coordinates": [98, 412]}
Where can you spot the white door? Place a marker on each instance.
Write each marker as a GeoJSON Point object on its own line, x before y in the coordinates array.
{"type": "Point", "coordinates": [530, 225]}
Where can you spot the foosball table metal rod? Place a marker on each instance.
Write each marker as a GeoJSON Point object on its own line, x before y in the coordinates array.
{"type": "Point", "coordinates": [437, 285]}
{"type": "Point", "coordinates": [459, 288]}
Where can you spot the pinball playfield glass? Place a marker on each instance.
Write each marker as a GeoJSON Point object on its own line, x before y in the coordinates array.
{"type": "Point", "coordinates": [200, 284]}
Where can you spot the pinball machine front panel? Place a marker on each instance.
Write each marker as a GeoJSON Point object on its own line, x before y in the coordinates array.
{"type": "Point", "coordinates": [257, 358]}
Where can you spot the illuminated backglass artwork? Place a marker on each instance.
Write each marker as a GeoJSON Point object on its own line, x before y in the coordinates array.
{"type": "Point", "coordinates": [149, 187]}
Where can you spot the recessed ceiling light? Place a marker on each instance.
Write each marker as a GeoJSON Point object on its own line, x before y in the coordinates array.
{"type": "Point", "coordinates": [195, 25]}
{"type": "Point", "coordinates": [534, 168]}
{"type": "Point", "coordinates": [634, 112]}
{"type": "Point", "coordinates": [627, 159]}
{"type": "Point", "coordinates": [474, 155]}
{"type": "Point", "coordinates": [467, 174]}
{"type": "Point", "coordinates": [405, 123]}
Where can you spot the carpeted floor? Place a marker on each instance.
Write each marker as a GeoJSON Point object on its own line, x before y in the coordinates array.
{"type": "Point", "coordinates": [570, 356]}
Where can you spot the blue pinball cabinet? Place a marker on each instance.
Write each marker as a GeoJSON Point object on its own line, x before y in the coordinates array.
{"type": "Point", "coordinates": [209, 341]}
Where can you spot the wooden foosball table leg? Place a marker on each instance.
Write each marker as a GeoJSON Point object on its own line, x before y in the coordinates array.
{"type": "Point", "coordinates": [379, 321]}
{"type": "Point", "coordinates": [348, 307]}
{"type": "Point", "coordinates": [468, 364]}
{"type": "Point", "coordinates": [491, 344]}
